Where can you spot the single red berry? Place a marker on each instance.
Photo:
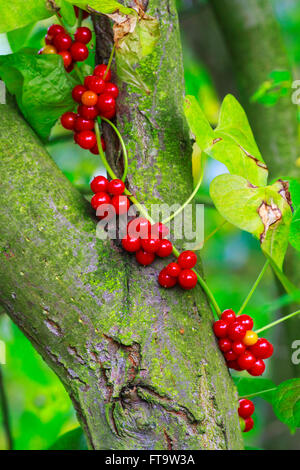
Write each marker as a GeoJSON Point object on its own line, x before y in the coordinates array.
{"type": "Point", "coordinates": [165, 280]}
{"type": "Point", "coordinates": [106, 104]}
{"type": "Point", "coordinates": [151, 245]}
{"type": "Point", "coordinates": [234, 365]}
{"type": "Point", "coordinates": [83, 35]}
{"type": "Point", "coordinates": [173, 269]}
{"type": "Point", "coordinates": [48, 40]}
{"type": "Point", "coordinates": [225, 345]}
{"type": "Point", "coordinates": [95, 150]}
{"type": "Point", "coordinates": [79, 51]}
{"type": "Point", "coordinates": [121, 204]}
{"type": "Point", "coordinates": [94, 83]}
{"type": "Point", "coordinates": [246, 408]}
{"type": "Point", "coordinates": [249, 423]}
{"type": "Point", "coordinates": [55, 29]}
{"type": "Point", "coordinates": [68, 120]}
{"type": "Point", "coordinates": [144, 258]}
{"type": "Point", "coordinates": [263, 349]}
{"type": "Point", "coordinates": [246, 321]}
{"type": "Point", "coordinates": [70, 68]}
{"type": "Point", "coordinates": [220, 328]}
{"type": "Point", "coordinates": [100, 71]}
{"type": "Point", "coordinates": [116, 187]}
{"type": "Point", "coordinates": [77, 93]}
{"type": "Point", "coordinates": [230, 356]}
{"type": "Point", "coordinates": [111, 89]}
{"type": "Point", "coordinates": [85, 14]}
{"type": "Point", "coordinates": [257, 368]}
{"type": "Point", "coordinates": [159, 230]}
{"type": "Point", "coordinates": [99, 184]}
{"type": "Point", "coordinates": [165, 248]}
{"type": "Point", "coordinates": [66, 57]}
{"type": "Point", "coordinates": [87, 112]}
{"type": "Point", "coordinates": [228, 316]}
{"type": "Point", "coordinates": [100, 198]}
{"type": "Point", "coordinates": [187, 260]}
{"type": "Point", "coordinates": [187, 279]}
{"type": "Point", "coordinates": [62, 42]}
{"type": "Point", "coordinates": [89, 98]}
{"type": "Point", "coordinates": [86, 139]}
{"type": "Point", "coordinates": [82, 124]}
{"type": "Point", "coordinates": [246, 360]}
{"type": "Point", "coordinates": [236, 331]}
{"type": "Point", "coordinates": [238, 347]}
{"type": "Point", "coordinates": [139, 227]}
{"type": "Point", "coordinates": [131, 244]}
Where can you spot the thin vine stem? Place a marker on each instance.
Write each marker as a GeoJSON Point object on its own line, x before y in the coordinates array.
{"type": "Point", "coordinates": [254, 287]}
{"type": "Point", "coordinates": [251, 395]}
{"type": "Point", "coordinates": [79, 74]}
{"type": "Point", "coordinates": [125, 155]}
{"type": "Point", "coordinates": [109, 61]}
{"type": "Point", "coordinates": [274, 323]}
{"type": "Point", "coordinates": [61, 22]}
{"type": "Point", "coordinates": [80, 16]}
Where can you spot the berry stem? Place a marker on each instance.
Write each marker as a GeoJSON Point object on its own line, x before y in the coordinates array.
{"type": "Point", "coordinates": [109, 61]}
{"type": "Point", "coordinates": [215, 231]}
{"type": "Point", "coordinates": [254, 287]}
{"type": "Point", "coordinates": [79, 74]}
{"type": "Point", "coordinates": [79, 21]}
{"type": "Point", "coordinates": [251, 395]}
{"type": "Point", "coordinates": [125, 156]}
{"type": "Point", "coordinates": [274, 323]}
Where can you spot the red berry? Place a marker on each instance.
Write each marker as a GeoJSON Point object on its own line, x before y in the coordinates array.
{"type": "Point", "coordinates": [116, 187]}
{"type": "Point", "coordinates": [94, 83]}
{"type": "Point", "coordinates": [83, 35]}
{"type": "Point", "coordinates": [68, 120]}
{"type": "Point", "coordinates": [62, 42]}
{"type": "Point", "coordinates": [85, 14]}
{"type": "Point", "coordinates": [82, 124]}
{"type": "Point", "coordinates": [173, 269]}
{"type": "Point", "coordinates": [230, 356]}
{"type": "Point", "coordinates": [86, 139]}
{"type": "Point", "coordinates": [159, 230]}
{"type": "Point", "coordinates": [77, 93]}
{"type": "Point", "coordinates": [165, 248]}
{"type": "Point", "coordinates": [263, 349]}
{"type": "Point", "coordinates": [99, 184]}
{"type": "Point", "coordinates": [151, 245]}
{"type": "Point", "coordinates": [100, 72]}
{"type": "Point", "coordinates": [228, 316]}
{"type": "Point", "coordinates": [187, 260]}
{"type": "Point", "coordinates": [144, 258]}
{"type": "Point", "coordinates": [220, 328]}
{"type": "Point", "coordinates": [131, 244]}
{"type": "Point", "coordinates": [257, 368]}
{"type": "Point", "coordinates": [246, 408]}
{"type": "Point", "coordinates": [246, 321]}
{"type": "Point", "coordinates": [249, 423]}
{"type": "Point", "coordinates": [79, 51]}
{"type": "Point", "coordinates": [106, 104]}
{"type": "Point", "coordinates": [100, 198]}
{"type": "Point", "coordinates": [121, 204]}
{"type": "Point", "coordinates": [66, 57]}
{"type": "Point", "coordinates": [139, 227]}
{"type": "Point", "coordinates": [238, 347]}
{"type": "Point", "coordinates": [111, 89]}
{"type": "Point", "coordinates": [166, 280]}
{"type": "Point", "coordinates": [224, 345]}
{"type": "Point", "coordinates": [236, 331]}
{"type": "Point", "coordinates": [246, 360]}
{"type": "Point", "coordinates": [234, 365]}
{"type": "Point", "coordinates": [187, 279]}
{"type": "Point", "coordinates": [95, 149]}
{"type": "Point", "coordinates": [88, 112]}
{"type": "Point", "coordinates": [55, 29]}
{"type": "Point", "coordinates": [48, 39]}
{"type": "Point", "coordinates": [70, 68]}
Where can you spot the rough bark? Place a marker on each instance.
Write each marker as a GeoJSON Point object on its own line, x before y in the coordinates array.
{"type": "Point", "coordinates": [140, 363]}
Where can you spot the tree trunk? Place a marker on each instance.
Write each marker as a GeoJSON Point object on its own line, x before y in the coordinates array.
{"type": "Point", "coordinates": [140, 363]}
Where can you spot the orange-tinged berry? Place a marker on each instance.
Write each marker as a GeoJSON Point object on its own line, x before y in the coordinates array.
{"type": "Point", "coordinates": [49, 50]}
{"type": "Point", "coordinates": [250, 338]}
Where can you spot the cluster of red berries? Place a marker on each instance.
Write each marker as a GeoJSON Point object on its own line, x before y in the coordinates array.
{"type": "Point", "coordinates": [242, 348]}
{"type": "Point", "coordinates": [97, 97]}
{"type": "Point", "coordinates": [180, 272]}
{"type": "Point", "coordinates": [58, 41]}
{"type": "Point", "coordinates": [246, 409]}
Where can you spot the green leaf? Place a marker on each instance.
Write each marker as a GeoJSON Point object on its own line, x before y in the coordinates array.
{"type": "Point", "coordinates": [231, 143]}
{"type": "Point", "coordinates": [41, 86]}
{"type": "Point", "coordinates": [288, 286]}
{"type": "Point", "coordinates": [128, 74]}
{"type": "Point", "coordinates": [294, 238]}
{"type": "Point", "coordinates": [102, 6]}
{"type": "Point", "coordinates": [17, 13]}
{"type": "Point", "coordinates": [18, 38]}
{"type": "Point", "coordinates": [250, 386]}
{"type": "Point", "coordinates": [72, 440]}
{"type": "Point", "coordinates": [286, 403]}
{"type": "Point", "coordinates": [264, 212]}
{"type": "Point", "coordinates": [66, 11]}
{"type": "Point", "coordinates": [270, 91]}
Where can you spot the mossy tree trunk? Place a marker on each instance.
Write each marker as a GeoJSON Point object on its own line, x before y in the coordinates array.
{"type": "Point", "coordinates": [140, 363]}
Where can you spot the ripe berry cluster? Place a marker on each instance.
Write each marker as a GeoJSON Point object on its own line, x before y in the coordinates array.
{"type": "Point", "coordinates": [242, 348]}
{"type": "Point", "coordinates": [58, 41]}
{"type": "Point", "coordinates": [246, 409]}
{"type": "Point", "coordinates": [180, 272]}
{"type": "Point", "coordinates": [97, 97]}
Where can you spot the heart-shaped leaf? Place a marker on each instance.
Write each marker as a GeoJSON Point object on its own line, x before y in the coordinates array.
{"type": "Point", "coordinates": [17, 13]}
{"type": "Point", "coordinates": [264, 212]}
{"type": "Point", "coordinates": [286, 403]}
{"type": "Point", "coordinates": [231, 143]}
{"type": "Point", "coordinates": [102, 6]}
